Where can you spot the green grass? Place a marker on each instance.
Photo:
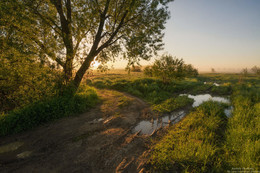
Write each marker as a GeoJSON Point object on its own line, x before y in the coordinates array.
{"type": "Point", "coordinates": [206, 141]}
{"type": "Point", "coordinates": [155, 91]}
{"type": "Point", "coordinates": [194, 144]}
{"type": "Point", "coordinates": [45, 111]}
{"type": "Point", "coordinates": [242, 145]}
{"type": "Point", "coordinates": [172, 104]}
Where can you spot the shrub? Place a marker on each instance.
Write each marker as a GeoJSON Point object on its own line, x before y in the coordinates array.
{"type": "Point", "coordinates": [44, 111]}
{"type": "Point", "coordinates": [136, 69]}
{"type": "Point", "coordinates": [168, 68]}
{"type": "Point", "coordinates": [23, 81]}
{"type": "Point", "coordinates": [148, 71]}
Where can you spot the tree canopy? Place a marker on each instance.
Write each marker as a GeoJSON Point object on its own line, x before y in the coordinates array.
{"type": "Point", "coordinates": [71, 33]}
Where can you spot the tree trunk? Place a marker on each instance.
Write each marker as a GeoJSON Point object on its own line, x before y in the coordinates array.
{"type": "Point", "coordinates": [68, 66]}
{"type": "Point", "coordinates": [82, 70]}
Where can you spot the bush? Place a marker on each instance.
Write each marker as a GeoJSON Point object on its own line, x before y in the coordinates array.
{"type": "Point", "coordinates": [24, 81]}
{"type": "Point", "coordinates": [148, 71]}
{"type": "Point", "coordinates": [136, 69]}
{"type": "Point", "coordinates": [168, 68]}
{"type": "Point", "coordinates": [45, 111]}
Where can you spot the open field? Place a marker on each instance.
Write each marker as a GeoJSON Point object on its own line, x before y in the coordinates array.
{"type": "Point", "coordinates": [206, 140]}
{"type": "Point", "coordinates": [203, 139]}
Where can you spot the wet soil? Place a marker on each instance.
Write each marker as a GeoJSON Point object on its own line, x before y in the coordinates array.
{"type": "Point", "coordinates": [100, 140]}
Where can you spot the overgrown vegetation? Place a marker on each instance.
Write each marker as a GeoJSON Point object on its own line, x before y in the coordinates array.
{"type": "Point", "coordinates": [242, 145]}
{"type": "Point", "coordinates": [172, 104]}
{"type": "Point", "coordinates": [194, 144]}
{"type": "Point", "coordinates": [23, 81]}
{"type": "Point", "coordinates": [154, 90]}
{"type": "Point", "coordinates": [207, 141]}
{"type": "Point", "coordinates": [47, 110]}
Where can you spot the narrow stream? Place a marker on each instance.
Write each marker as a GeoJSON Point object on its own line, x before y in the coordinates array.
{"type": "Point", "coordinates": [146, 127]}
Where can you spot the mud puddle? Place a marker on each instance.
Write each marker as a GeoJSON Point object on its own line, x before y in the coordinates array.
{"type": "Point", "coordinates": [147, 127]}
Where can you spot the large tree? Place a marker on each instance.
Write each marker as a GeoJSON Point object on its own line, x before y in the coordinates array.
{"type": "Point", "coordinates": [72, 33]}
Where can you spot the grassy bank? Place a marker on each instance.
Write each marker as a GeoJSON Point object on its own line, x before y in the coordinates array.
{"type": "Point", "coordinates": [154, 90]}
{"type": "Point", "coordinates": [194, 144]}
{"type": "Point", "coordinates": [206, 141]}
{"type": "Point", "coordinates": [48, 110]}
{"type": "Point", "coordinates": [242, 144]}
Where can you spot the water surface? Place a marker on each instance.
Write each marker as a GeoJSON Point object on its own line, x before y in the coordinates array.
{"type": "Point", "coordinates": [199, 99]}
{"type": "Point", "coordinates": [147, 127]}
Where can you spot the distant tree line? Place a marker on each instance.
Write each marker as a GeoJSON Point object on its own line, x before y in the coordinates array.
{"type": "Point", "coordinates": [254, 70]}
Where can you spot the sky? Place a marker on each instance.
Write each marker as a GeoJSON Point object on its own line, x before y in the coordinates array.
{"type": "Point", "coordinates": [219, 34]}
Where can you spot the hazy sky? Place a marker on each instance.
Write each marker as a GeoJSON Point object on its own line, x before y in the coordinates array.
{"type": "Point", "coordinates": [222, 34]}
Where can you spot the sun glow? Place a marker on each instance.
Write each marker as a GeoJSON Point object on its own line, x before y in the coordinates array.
{"type": "Point", "coordinates": [95, 64]}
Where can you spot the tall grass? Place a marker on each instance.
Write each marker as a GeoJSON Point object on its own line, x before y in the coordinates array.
{"type": "Point", "coordinates": [172, 104]}
{"type": "Point", "coordinates": [243, 133]}
{"type": "Point", "coordinates": [48, 110]}
{"type": "Point", "coordinates": [193, 145]}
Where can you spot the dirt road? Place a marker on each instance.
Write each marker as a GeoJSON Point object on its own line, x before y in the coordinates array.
{"type": "Point", "coordinates": [97, 141]}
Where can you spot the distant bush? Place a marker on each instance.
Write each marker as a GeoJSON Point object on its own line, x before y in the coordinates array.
{"type": "Point", "coordinates": [148, 71]}
{"type": "Point", "coordinates": [256, 70]}
{"type": "Point", "coordinates": [136, 69]}
{"type": "Point", "coordinates": [244, 72]}
{"type": "Point", "coordinates": [168, 68]}
{"type": "Point", "coordinates": [45, 111]}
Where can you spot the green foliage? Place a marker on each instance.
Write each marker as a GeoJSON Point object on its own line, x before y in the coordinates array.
{"type": "Point", "coordinates": [206, 141]}
{"type": "Point", "coordinates": [194, 144]}
{"type": "Point", "coordinates": [168, 68]}
{"type": "Point", "coordinates": [172, 104]}
{"type": "Point", "coordinates": [148, 71]}
{"type": "Point", "coordinates": [48, 110]}
{"type": "Point", "coordinates": [60, 31]}
{"type": "Point", "coordinates": [24, 81]}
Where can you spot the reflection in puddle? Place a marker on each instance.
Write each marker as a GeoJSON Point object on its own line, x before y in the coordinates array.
{"type": "Point", "coordinates": [215, 84]}
{"type": "Point", "coordinates": [199, 99]}
{"type": "Point", "coordinates": [147, 127]}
